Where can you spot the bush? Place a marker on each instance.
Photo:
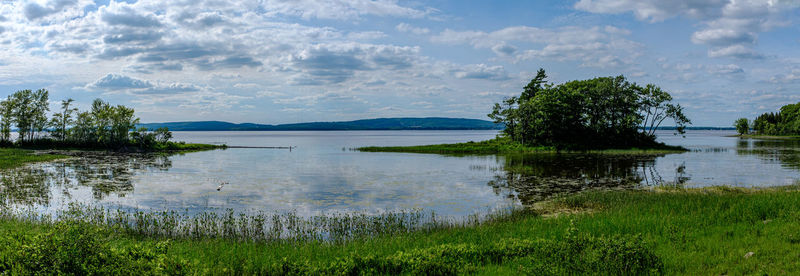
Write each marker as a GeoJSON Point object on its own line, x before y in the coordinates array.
{"type": "Point", "coordinates": [572, 255]}
{"type": "Point", "coordinates": [81, 249]}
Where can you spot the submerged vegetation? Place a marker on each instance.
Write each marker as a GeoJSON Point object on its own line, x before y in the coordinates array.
{"type": "Point", "coordinates": [105, 126]}
{"type": "Point", "coordinates": [677, 231]}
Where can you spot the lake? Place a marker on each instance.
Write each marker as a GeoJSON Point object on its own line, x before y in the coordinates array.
{"type": "Point", "coordinates": [323, 175]}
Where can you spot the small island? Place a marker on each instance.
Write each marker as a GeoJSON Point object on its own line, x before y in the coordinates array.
{"type": "Point", "coordinates": [103, 127]}
{"type": "Point", "coordinates": [605, 114]}
{"type": "Point", "coordinates": [784, 124]}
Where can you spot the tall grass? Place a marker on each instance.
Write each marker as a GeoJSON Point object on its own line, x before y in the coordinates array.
{"type": "Point", "coordinates": [256, 227]}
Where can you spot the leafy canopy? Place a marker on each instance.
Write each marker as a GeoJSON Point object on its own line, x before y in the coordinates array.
{"type": "Point", "coordinates": [604, 112]}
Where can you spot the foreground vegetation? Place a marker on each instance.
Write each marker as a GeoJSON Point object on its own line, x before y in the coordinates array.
{"type": "Point", "coordinates": [504, 145]}
{"type": "Point", "coordinates": [702, 231]}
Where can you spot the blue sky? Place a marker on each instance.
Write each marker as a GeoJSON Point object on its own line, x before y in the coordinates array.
{"type": "Point", "coordinates": [277, 61]}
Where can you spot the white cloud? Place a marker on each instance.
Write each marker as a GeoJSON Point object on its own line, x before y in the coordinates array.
{"type": "Point", "coordinates": [115, 82]}
{"type": "Point", "coordinates": [341, 9]}
{"type": "Point", "coordinates": [594, 47]}
{"type": "Point", "coordinates": [730, 27]}
{"type": "Point", "coordinates": [407, 28]}
{"type": "Point", "coordinates": [482, 71]}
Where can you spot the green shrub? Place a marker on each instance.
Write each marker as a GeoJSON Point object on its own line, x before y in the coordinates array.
{"type": "Point", "coordinates": [81, 249]}
{"type": "Point", "coordinates": [572, 255]}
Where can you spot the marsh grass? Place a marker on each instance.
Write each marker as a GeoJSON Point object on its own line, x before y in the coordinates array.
{"type": "Point", "coordinates": [12, 157]}
{"type": "Point", "coordinates": [251, 227]}
{"type": "Point", "coordinates": [705, 231]}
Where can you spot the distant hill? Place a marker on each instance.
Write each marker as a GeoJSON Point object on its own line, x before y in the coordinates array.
{"type": "Point", "coordinates": [430, 123]}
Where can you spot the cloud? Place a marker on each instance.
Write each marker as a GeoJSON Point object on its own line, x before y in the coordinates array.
{"type": "Point", "coordinates": [482, 71]}
{"type": "Point", "coordinates": [330, 64]}
{"type": "Point", "coordinates": [737, 51]}
{"type": "Point", "coordinates": [791, 77]}
{"type": "Point", "coordinates": [116, 82]}
{"type": "Point", "coordinates": [729, 69]}
{"type": "Point", "coordinates": [342, 10]}
{"type": "Point", "coordinates": [653, 10]}
{"type": "Point", "coordinates": [730, 28]}
{"type": "Point", "coordinates": [406, 28]}
{"type": "Point", "coordinates": [128, 17]}
{"type": "Point", "coordinates": [35, 11]}
{"type": "Point", "coordinates": [127, 37]}
{"type": "Point", "coordinates": [595, 47]}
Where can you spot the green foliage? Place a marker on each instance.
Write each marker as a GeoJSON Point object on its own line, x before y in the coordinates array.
{"type": "Point", "coordinates": [28, 109]}
{"type": "Point", "coordinates": [504, 145]}
{"type": "Point", "coordinates": [571, 255]}
{"type": "Point", "coordinates": [104, 126]}
{"type": "Point", "coordinates": [10, 158]}
{"type": "Point", "coordinates": [675, 232]}
{"type": "Point", "coordinates": [606, 112]}
{"type": "Point", "coordinates": [79, 249]}
{"type": "Point", "coordinates": [785, 122]}
{"type": "Point", "coordinates": [742, 125]}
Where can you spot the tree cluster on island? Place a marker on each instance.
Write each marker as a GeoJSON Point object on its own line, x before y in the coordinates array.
{"type": "Point", "coordinates": [598, 113]}
{"type": "Point", "coordinates": [785, 122]}
{"type": "Point", "coordinates": [104, 126]}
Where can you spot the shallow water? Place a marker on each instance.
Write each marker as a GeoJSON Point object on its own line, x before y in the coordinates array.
{"type": "Point", "coordinates": [321, 175]}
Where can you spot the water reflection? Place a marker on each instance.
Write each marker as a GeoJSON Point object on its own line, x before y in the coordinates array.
{"type": "Point", "coordinates": [104, 174]}
{"type": "Point", "coordinates": [317, 180]}
{"type": "Point", "coordinates": [785, 152]}
{"type": "Point", "coordinates": [536, 177]}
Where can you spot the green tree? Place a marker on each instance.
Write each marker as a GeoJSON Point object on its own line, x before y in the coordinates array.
{"type": "Point", "coordinates": [40, 107]}
{"type": "Point", "coordinates": [742, 126]}
{"type": "Point", "coordinates": [657, 106]}
{"type": "Point", "coordinates": [62, 120]}
{"type": "Point", "coordinates": [163, 135]}
{"type": "Point", "coordinates": [23, 112]}
{"type": "Point", "coordinates": [596, 113]}
{"type": "Point", "coordinates": [84, 129]}
{"type": "Point", "coordinates": [7, 111]}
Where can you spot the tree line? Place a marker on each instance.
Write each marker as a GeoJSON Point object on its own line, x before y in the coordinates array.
{"type": "Point", "coordinates": [784, 122]}
{"type": "Point", "coordinates": [604, 112]}
{"type": "Point", "coordinates": [103, 126]}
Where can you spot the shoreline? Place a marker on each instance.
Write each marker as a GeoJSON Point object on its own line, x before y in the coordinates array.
{"type": "Point", "coordinates": [716, 230]}
{"type": "Point", "coordinates": [496, 146]}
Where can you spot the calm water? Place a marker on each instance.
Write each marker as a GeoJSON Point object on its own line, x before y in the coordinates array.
{"type": "Point", "coordinates": [321, 175]}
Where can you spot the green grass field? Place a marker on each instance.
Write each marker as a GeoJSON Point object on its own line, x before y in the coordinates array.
{"type": "Point", "coordinates": [714, 231]}
{"type": "Point", "coordinates": [11, 157]}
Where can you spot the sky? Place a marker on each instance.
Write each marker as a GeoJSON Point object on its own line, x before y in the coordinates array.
{"type": "Point", "coordinates": [288, 61]}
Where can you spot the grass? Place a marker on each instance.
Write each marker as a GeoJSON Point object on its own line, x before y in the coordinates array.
{"type": "Point", "coordinates": [52, 144]}
{"type": "Point", "coordinates": [676, 231]}
{"type": "Point", "coordinates": [505, 146]}
{"type": "Point", "coordinates": [181, 146]}
{"type": "Point", "coordinates": [12, 157]}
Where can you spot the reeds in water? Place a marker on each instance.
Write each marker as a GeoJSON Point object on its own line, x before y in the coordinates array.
{"type": "Point", "coordinates": [257, 226]}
